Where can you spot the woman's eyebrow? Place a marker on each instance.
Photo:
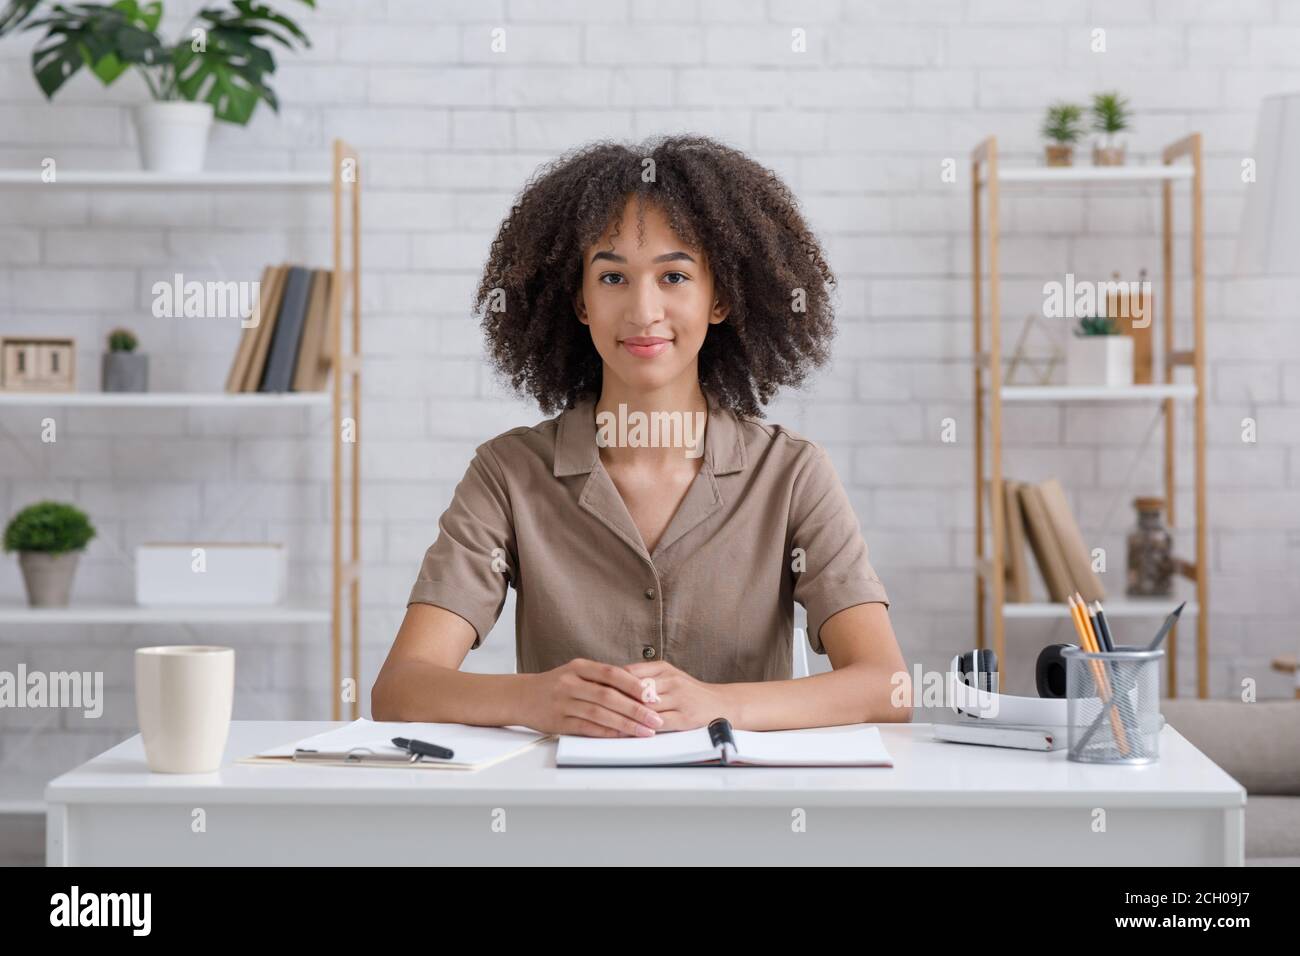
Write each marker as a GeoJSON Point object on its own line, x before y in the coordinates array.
{"type": "Point", "coordinates": [666, 257]}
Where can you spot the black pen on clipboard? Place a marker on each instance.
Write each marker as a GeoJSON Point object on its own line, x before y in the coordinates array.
{"type": "Point", "coordinates": [420, 748]}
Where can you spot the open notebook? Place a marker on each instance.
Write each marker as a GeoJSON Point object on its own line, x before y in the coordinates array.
{"type": "Point", "coordinates": [368, 743]}
{"type": "Point", "coordinates": [718, 744]}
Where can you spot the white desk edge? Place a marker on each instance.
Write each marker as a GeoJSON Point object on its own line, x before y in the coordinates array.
{"type": "Point", "coordinates": [1183, 779]}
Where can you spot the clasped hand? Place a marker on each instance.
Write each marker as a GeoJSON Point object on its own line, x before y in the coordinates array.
{"type": "Point", "coordinates": [591, 699]}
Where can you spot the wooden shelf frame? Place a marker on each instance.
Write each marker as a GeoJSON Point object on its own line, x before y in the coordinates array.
{"type": "Point", "coordinates": [343, 180]}
{"type": "Point", "coordinates": [1182, 161]}
{"type": "Point", "coordinates": [345, 572]}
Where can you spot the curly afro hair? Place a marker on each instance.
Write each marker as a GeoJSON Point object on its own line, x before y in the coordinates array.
{"type": "Point", "coordinates": [767, 266]}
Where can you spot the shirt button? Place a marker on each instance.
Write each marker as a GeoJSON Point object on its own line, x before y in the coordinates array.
{"type": "Point", "coordinates": [648, 652]}
{"type": "Point", "coordinates": [649, 594]}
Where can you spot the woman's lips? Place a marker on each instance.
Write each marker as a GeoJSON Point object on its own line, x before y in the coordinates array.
{"type": "Point", "coordinates": [646, 346]}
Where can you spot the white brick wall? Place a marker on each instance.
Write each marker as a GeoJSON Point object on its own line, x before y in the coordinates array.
{"type": "Point", "coordinates": [449, 131]}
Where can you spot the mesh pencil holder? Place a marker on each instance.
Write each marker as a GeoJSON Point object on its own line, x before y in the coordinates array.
{"type": "Point", "coordinates": [1113, 705]}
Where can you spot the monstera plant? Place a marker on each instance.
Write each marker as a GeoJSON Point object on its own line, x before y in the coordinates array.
{"type": "Point", "coordinates": [218, 66]}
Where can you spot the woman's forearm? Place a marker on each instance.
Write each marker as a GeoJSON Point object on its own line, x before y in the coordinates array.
{"type": "Point", "coordinates": [870, 683]}
{"type": "Point", "coordinates": [420, 691]}
{"type": "Point", "coordinates": [858, 693]}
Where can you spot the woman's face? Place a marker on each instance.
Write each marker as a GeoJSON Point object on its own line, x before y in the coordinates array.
{"type": "Point", "coordinates": [648, 302]}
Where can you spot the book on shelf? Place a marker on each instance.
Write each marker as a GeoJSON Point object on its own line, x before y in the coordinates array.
{"type": "Point", "coordinates": [264, 332]}
{"type": "Point", "coordinates": [267, 303]}
{"type": "Point", "coordinates": [1062, 556]}
{"type": "Point", "coordinates": [313, 370]}
{"type": "Point", "coordinates": [291, 346]}
{"type": "Point", "coordinates": [1070, 539]}
{"type": "Point", "coordinates": [282, 354]}
{"type": "Point", "coordinates": [330, 315]}
{"type": "Point", "coordinates": [1042, 541]}
{"type": "Point", "coordinates": [1013, 535]}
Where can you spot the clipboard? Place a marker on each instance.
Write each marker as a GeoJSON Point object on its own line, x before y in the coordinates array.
{"type": "Point", "coordinates": [364, 743]}
{"type": "Point", "coordinates": [358, 755]}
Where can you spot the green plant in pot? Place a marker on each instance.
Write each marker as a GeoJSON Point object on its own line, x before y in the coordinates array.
{"type": "Point", "coordinates": [125, 369]}
{"type": "Point", "coordinates": [49, 537]}
{"type": "Point", "coordinates": [218, 66]}
{"type": "Point", "coordinates": [1110, 117]}
{"type": "Point", "coordinates": [1096, 325]}
{"type": "Point", "coordinates": [1062, 128]}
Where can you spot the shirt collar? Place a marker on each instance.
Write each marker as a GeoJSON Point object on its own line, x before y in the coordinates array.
{"type": "Point", "coordinates": [575, 440]}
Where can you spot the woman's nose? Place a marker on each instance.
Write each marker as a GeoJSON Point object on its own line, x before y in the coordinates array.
{"type": "Point", "coordinates": [647, 304]}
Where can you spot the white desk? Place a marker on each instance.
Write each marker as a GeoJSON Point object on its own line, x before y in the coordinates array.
{"type": "Point", "coordinates": [941, 804]}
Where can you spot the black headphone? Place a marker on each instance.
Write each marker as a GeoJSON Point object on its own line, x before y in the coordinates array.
{"type": "Point", "coordinates": [1049, 673]}
{"type": "Point", "coordinates": [979, 669]}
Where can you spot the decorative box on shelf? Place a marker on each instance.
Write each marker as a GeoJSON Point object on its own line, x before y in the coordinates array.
{"type": "Point", "coordinates": [37, 364]}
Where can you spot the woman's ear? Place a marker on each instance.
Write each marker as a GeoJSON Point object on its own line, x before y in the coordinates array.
{"type": "Point", "coordinates": [719, 312]}
{"type": "Point", "coordinates": [580, 307]}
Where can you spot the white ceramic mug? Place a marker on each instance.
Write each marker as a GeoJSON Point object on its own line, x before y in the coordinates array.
{"type": "Point", "coordinates": [184, 695]}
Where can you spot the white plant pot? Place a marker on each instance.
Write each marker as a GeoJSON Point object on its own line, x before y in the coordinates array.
{"type": "Point", "coordinates": [1099, 360]}
{"type": "Point", "coordinates": [173, 135]}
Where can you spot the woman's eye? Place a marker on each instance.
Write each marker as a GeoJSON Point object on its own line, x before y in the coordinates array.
{"type": "Point", "coordinates": [615, 278]}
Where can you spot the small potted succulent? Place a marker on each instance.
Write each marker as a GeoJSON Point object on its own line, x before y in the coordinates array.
{"type": "Point", "coordinates": [1110, 117]}
{"type": "Point", "coordinates": [1062, 128]}
{"type": "Point", "coordinates": [1099, 354]}
{"type": "Point", "coordinates": [125, 369]}
{"type": "Point", "coordinates": [49, 537]}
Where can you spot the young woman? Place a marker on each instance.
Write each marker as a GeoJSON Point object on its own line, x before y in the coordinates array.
{"type": "Point", "coordinates": [655, 569]}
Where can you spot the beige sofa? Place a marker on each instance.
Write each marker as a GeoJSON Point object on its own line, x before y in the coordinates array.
{"type": "Point", "coordinates": [1259, 746]}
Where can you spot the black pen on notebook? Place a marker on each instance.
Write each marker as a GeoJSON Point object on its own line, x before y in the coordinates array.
{"type": "Point", "coordinates": [420, 748]}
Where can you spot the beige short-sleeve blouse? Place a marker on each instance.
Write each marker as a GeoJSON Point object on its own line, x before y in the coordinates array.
{"type": "Point", "coordinates": [765, 523]}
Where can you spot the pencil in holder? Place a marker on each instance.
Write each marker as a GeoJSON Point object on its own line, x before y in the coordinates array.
{"type": "Point", "coordinates": [1113, 705]}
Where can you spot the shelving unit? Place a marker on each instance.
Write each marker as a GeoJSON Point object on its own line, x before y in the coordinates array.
{"type": "Point", "coordinates": [343, 181]}
{"type": "Point", "coordinates": [987, 180]}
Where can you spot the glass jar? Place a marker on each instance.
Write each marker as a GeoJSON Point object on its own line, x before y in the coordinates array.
{"type": "Point", "coordinates": [1150, 552]}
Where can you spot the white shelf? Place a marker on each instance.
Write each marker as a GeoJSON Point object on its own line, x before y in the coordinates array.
{"type": "Point", "coordinates": [166, 399]}
{"type": "Point", "coordinates": [1096, 393]}
{"type": "Point", "coordinates": [1116, 608]}
{"type": "Point", "coordinates": [23, 806]}
{"type": "Point", "coordinates": [1061, 175]}
{"type": "Point", "coordinates": [139, 179]}
{"type": "Point", "coordinates": [133, 614]}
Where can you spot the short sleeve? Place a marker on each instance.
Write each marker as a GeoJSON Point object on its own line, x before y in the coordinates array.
{"type": "Point", "coordinates": [470, 565]}
{"type": "Point", "coordinates": [836, 573]}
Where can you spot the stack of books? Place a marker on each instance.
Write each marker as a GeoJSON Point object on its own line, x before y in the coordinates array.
{"type": "Point", "coordinates": [289, 348]}
{"type": "Point", "coordinates": [1040, 515]}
